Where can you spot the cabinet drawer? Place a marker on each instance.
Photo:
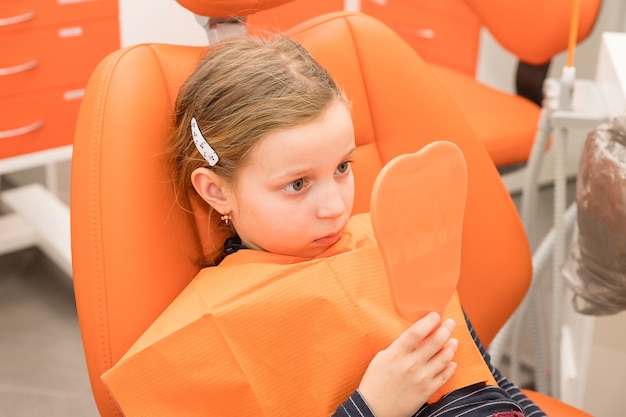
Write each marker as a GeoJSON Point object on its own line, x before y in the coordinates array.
{"type": "Point", "coordinates": [445, 32]}
{"type": "Point", "coordinates": [38, 121]}
{"type": "Point", "coordinates": [30, 14]}
{"type": "Point", "coordinates": [54, 56]}
{"type": "Point", "coordinates": [290, 14]}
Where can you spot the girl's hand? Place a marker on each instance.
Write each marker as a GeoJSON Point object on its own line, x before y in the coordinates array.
{"type": "Point", "coordinates": [401, 378]}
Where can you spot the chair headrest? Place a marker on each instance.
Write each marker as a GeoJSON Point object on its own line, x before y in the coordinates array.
{"type": "Point", "coordinates": [227, 8]}
{"type": "Point", "coordinates": [535, 30]}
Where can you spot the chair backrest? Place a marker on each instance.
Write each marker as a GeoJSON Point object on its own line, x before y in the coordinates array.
{"type": "Point", "coordinates": [134, 249]}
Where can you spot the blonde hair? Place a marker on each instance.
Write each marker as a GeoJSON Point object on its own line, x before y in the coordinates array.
{"type": "Point", "coordinates": [243, 89]}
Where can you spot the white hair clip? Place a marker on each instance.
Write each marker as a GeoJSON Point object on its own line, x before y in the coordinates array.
{"type": "Point", "coordinates": [203, 146]}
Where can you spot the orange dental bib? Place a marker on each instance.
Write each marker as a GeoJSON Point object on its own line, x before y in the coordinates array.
{"type": "Point", "coordinates": [272, 335]}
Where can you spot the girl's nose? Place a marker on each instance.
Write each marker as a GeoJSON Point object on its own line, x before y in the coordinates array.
{"type": "Point", "coordinates": [331, 203]}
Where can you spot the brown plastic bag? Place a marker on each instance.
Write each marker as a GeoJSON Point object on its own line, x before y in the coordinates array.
{"type": "Point", "coordinates": [596, 265]}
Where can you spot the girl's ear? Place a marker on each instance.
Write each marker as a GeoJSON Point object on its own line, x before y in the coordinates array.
{"type": "Point", "coordinates": [212, 188]}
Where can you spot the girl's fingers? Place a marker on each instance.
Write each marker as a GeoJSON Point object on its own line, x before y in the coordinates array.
{"type": "Point", "coordinates": [418, 331]}
{"type": "Point", "coordinates": [440, 366]}
{"type": "Point", "coordinates": [447, 372]}
{"type": "Point", "coordinates": [436, 340]}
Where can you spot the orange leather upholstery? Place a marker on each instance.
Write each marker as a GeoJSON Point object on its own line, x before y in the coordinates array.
{"type": "Point", "coordinates": [134, 249]}
{"type": "Point", "coordinates": [225, 8]}
{"type": "Point", "coordinates": [535, 30]}
{"type": "Point", "coordinates": [505, 123]}
{"type": "Point", "coordinates": [553, 407]}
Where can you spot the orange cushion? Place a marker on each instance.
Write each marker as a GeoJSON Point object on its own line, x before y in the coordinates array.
{"type": "Point", "coordinates": [535, 30]}
{"type": "Point", "coordinates": [554, 407]}
{"type": "Point", "coordinates": [505, 123]}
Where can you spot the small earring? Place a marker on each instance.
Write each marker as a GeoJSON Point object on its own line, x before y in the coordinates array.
{"type": "Point", "coordinates": [226, 218]}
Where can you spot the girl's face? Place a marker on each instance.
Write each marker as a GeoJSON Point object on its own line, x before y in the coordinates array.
{"type": "Point", "coordinates": [295, 194]}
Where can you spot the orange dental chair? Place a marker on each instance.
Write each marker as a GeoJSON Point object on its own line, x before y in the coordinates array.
{"type": "Point", "coordinates": [534, 31]}
{"type": "Point", "coordinates": [134, 249]}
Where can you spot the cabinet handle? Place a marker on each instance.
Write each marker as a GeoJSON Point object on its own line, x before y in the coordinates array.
{"type": "Point", "coordinates": [19, 68]}
{"type": "Point", "coordinates": [14, 20]}
{"type": "Point", "coordinates": [11, 133]}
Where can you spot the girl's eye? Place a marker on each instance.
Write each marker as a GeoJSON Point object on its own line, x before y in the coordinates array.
{"type": "Point", "coordinates": [343, 167]}
{"type": "Point", "coordinates": [295, 186]}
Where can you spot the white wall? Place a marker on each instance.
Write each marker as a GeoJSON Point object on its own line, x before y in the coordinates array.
{"type": "Point", "coordinates": [158, 21]}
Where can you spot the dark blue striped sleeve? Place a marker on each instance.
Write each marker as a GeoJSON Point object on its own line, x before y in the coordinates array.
{"type": "Point", "coordinates": [530, 408]}
{"type": "Point", "coordinates": [354, 406]}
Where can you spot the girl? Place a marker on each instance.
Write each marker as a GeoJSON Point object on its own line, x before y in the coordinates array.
{"type": "Point", "coordinates": [292, 316]}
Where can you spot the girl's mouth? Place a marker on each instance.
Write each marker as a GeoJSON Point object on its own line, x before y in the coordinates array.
{"type": "Point", "coordinates": [329, 240]}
